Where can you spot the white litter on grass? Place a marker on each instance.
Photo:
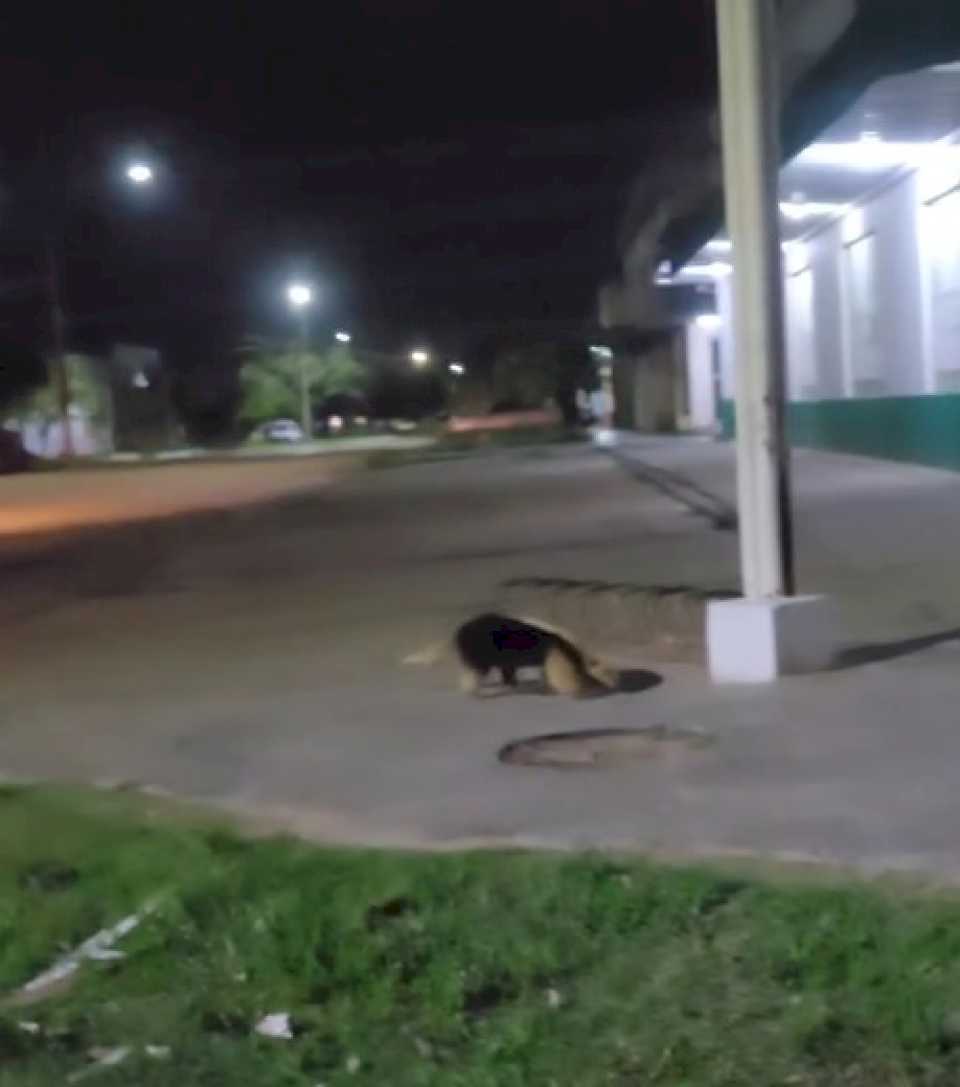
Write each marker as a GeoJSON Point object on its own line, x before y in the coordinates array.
{"type": "Point", "coordinates": [423, 1047]}
{"type": "Point", "coordinates": [156, 790]}
{"type": "Point", "coordinates": [102, 1058]}
{"type": "Point", "coordinates": [275, 1025]}
{"type": "Point", "coordinates": [28, 1026]}
{"type": "Point", "coordinates": [109, 1057]}
{"type": "Point", "coordinates": [97, 948]}
{"type": "Point", "coordinates": [353, 1064]}
{"type": "Point", "coordinates": [105, 954]}
{"type": "Point", "coordinates": [554, 998]}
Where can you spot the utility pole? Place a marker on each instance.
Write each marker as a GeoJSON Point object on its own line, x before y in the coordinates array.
{"type": "Point", "coordinates": [306, 411]}
{"type": "Point", "coordinates": [57, 366]}
{"type": "Point", "coordinates": [750, 111]}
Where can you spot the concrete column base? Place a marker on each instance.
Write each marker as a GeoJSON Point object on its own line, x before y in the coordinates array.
{"type": "Point", "coordinates": [756, 641]}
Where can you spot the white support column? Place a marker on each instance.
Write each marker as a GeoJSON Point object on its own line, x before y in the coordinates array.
{"type": "Point", "coordinates": [769, 631]}
{"type": "Point", "coordinates": [749, 94]}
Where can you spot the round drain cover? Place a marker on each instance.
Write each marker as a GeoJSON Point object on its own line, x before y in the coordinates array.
{"type": "Point", "coordinates": [602, 747]}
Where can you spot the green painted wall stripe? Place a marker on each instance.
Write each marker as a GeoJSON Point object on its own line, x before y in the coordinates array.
{"type": "Point", "coordinates": [917, 429]}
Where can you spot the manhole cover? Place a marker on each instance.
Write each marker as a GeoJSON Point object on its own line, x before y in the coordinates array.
{"type": "Point", "coordinates": [602, 747]}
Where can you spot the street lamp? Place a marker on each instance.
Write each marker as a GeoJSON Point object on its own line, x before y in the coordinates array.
{"type": "Point", "coordinates": [419, 358]}
{"type": "Point", "coordinates": [140, 173]}
{"type": "Point", "coordinates": [137, 173]}
{"type": "Point", "coordinates": [300, 297]}
{"type": "Point", "coordinates": [457, 368]}
{"type": "Point", "coordinates": [343, 337]}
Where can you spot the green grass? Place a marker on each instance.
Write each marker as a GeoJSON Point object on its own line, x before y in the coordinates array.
{"type": "Point", "coordinates": [476, 970]}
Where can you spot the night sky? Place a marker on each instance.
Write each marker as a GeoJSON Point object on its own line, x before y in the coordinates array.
{"type": "Point", "coordinates": [437, 169]}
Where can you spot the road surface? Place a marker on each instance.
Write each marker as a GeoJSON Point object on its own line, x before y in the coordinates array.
{"type": "Point", "coordinates": [35, 505]}
{"type": "Point", "coordinates": [39, 504]}
{"type": "Point", "coordinates": [252, 660]}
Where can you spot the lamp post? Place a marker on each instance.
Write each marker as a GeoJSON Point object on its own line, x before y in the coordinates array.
{"type": "Point", "coordinates": [137, 173]}
{"type": "Point", "coordinates": [300, 297]}
{"type": "Point", "coordinates": [59, 374]}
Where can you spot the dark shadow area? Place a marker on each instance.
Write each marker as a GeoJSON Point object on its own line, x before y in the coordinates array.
{"type": "Point", "coordinates": [601, 747]}
{"type": "Point", "coordinates": [635, 681]}
{"type": "Point", "coordinates": [625, 588]}
{"type": "Point", "coordinates": [526, 687]}
{"type": "Point", "coordinates": [855, 656]}
{"type": "Point", "coordinates": [630, 681]}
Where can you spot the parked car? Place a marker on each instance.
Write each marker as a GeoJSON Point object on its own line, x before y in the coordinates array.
{"type": "Point", "coordinates": [282, 430]}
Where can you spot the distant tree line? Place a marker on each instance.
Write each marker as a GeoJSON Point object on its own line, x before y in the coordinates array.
{"type": "Point", "coordinates": [221, 399]}
{"type": "Point", "coordinates": [522, 375]}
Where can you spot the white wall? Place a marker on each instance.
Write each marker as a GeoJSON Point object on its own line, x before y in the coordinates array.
{"type": "Point", "coordinates": [940, 252]}
{"type": "Point", "coordinates": [803, 376]}
{"type": "Point", "coordinates": [865, 323]}
{"type": "Point", "coordinates": [699, 351]}
{"type": "Point", "coordinates": [727, 343]}
{"type": "Point", "coordinates": [46, 440]}
{"type": "Point", "coordinates": [903, 339]}
{"type": "Point", "coordinates": [893, 217]}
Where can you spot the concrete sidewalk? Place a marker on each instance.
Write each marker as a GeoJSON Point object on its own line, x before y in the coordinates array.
{"type": "Point", "coordinates": [881, 537]}
{"type": "Point", "coordinates": [256, 666]}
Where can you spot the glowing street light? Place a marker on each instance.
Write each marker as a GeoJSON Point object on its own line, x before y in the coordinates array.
{"type": "Point", "coordinates": [299, 295]}
{"type": "Point", "coordinates": [139, 173]}
{"type": "Point", "coordinates": [457, 368]}
{"type": "Point", "coordinates": [419, 358]}
{"type": "Point", "coordinates": [343, 337]}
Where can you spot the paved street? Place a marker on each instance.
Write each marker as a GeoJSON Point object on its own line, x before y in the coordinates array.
{"type": "Point", "coordinates": [35, 505]}
{"type": "Point", "coordinates": [53, 502]}
{"type": "Point", "coordinates": [252, 659]}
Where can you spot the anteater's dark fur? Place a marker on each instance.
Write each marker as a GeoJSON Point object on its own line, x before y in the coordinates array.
{"type": "Point", "coordinates": [498, 642]}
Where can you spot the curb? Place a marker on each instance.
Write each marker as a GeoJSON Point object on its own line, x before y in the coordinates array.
{"type": "Point", "coordinates": [683, 490]}
{"type": "Point", "coordinates": [666, 621]}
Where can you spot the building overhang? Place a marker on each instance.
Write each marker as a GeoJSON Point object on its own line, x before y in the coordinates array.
{"type": "Point", "coordinates": [880, 42]}
{"type": "Point", "coordinates": [902, 124]}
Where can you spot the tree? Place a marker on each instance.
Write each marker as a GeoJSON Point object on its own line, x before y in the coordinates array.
{"type": "Point", "coordinates": [270, 378]}
{"type": "Point", "coordinates": [524, 377]}
{"type": "Point", "coordinates": [21, 370]}
{"type": "Point", "coordinates": [574, 370]}
{"type": "Point", "coordinates": [207, 398]}
{"type": "Point", "coordinates": [402, 392]}
{"type": "Point", "coordinates": [527, 375]}
{"type": "Point", "coordinates": [88, 391]}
